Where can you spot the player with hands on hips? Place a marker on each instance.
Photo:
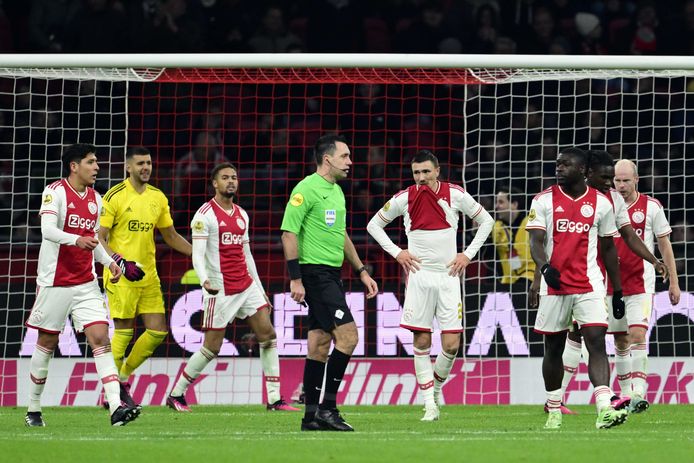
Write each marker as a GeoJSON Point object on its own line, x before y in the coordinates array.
{"type": "Point", "coordinates": [431, 210]}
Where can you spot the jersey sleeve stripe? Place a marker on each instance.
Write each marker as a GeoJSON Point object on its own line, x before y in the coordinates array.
{"type": "Point", "coordinates": [477, 212]}
{"type": "Point", "coordinates": [542, 193]}
{"type": "Point", "coordinates": [206, 207]}
{"type": "Point", "coordinates": [457, 187]}
{"type": "Point", "coordinates": [383, 218]}
{"type": "Point", "coordinates": [535, 227]}
{"type": "Point", "coordinates": [48, 212]}
{"type": "Point", "coordinates": [399, 193]}
{"type": "Point", "coordinates": [113, 191]}
{"type": "Point", "coordinates": [150, 187]}
{"type": "Point", "coordinates": [664, 234]}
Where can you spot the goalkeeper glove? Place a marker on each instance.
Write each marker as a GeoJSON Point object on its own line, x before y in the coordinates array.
{"type": "Point", "coordinates": [551, 275]}
{"type": "Point", "coordinates": [129, 268]}
{"type": "Point", "coordinates": [617, 305]}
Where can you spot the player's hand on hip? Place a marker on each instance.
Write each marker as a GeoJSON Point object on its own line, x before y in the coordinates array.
{"type": "Point", "coordinates": [131, 269]}
{"type": "Point", "coordinates": [208, 287]}
{"type": "Point", "coordinates": [370, 283]}
{"type": "Point", "coordinates": [297, 290]}
{"type": "Point", "coordinates": [116, 272]}
{"type": "Point", "coordinates": [408, 262]}
{"type": "Point", "coordinates": [674, 293]}
{"type": "Point", "coordinates": [534, 295]}
{"type": "Point", "coordinates": [457, 266]}
{"type": "Point", "coordinates": [87, 242]}
{"type": "Point", "coordinates": [662, 270]}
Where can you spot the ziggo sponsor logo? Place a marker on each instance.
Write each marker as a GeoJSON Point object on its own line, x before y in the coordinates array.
{"type": "Point", "coordinates": [231, 238]}
{"type": "Point", "coordinates": [569, 226]}
{"type": "Point", "coordinates": [75, 221]}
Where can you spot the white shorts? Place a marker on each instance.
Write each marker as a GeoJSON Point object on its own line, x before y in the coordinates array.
{"type": "Point", "coordinates": [220, 310]}
{"type": "Point", "coordinates": [432, 294]}
{"type": "Point", "coordinates": [637, 309]}
{"type": "Point", "coordinates": [84, 304]}
{"type": "Point", "coordinates": [555, 312]}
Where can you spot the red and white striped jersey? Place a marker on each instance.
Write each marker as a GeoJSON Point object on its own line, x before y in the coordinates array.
{"type": "Point", "coordinates": [431, 221]}
{"type": "Point", "coordinates": [621, 219]}
{"type": "Point", "coordinates": [620, 208]}
{"type": "Point", "coordinates": [572, 229]}
{"type": "Point", "coordinates": [78, 214]}
{"type": "Point", "coordinates": [226, 233]}
{"type": "Point", "coordinates": [649, 222]}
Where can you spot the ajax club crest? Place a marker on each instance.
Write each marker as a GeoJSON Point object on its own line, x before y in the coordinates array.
{"type": "Point", "coordinates": [92, 207]}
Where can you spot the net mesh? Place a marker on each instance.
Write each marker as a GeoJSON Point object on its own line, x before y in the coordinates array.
{"type": "Point", "coordinates": [490, 128]}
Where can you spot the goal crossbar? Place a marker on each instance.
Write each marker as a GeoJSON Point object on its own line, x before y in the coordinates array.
{"type": "Point", "coordinates": [329, 68]}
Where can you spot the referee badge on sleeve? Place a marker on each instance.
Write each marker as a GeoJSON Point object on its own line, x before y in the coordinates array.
{"type": "Point", "coordinates": [297, 200]}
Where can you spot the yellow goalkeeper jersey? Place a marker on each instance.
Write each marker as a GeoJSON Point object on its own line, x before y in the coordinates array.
{"type": "Point", "coordinates": [132, 218]}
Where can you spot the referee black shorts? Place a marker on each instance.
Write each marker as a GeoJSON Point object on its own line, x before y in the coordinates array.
{"type": "Point", "coordinates": [325, 297]}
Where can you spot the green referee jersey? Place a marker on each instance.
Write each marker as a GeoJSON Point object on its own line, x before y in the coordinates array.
{"type": "Point", "coordinates": [316, 214]}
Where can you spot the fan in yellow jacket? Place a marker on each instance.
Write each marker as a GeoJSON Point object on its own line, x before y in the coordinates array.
{"type": "Point", "coordinates": [511, 238]}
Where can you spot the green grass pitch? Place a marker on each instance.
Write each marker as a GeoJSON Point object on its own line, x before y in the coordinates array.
{"type": "Point", "coordinates": [383, 433]}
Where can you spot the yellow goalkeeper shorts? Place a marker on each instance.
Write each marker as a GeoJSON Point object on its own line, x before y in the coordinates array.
{"type": "Point", "coordinates": [130, 301]}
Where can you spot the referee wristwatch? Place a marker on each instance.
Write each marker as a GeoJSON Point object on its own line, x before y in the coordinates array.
{"type": "Point", "coordinates": [361, 269]}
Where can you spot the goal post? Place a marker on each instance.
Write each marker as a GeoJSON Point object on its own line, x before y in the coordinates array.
{"type": "Point", "coordinates": [493, 120]}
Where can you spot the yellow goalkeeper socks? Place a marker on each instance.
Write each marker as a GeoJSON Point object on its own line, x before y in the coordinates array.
{"type": "Point", "coordinates": [142, 350]}
{"type": "Point", "coordinates": [119, 344]}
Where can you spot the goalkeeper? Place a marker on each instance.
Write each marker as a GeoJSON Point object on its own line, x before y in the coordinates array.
{"type": "Point", "coordinates": [131, 211]}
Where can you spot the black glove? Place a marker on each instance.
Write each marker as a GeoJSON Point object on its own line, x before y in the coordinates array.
{"type": "Point", "coordinates": [617, 305]}
{"type": "Point", "coordinates": [551, 275]}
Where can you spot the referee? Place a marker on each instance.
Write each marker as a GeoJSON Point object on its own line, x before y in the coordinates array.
{"type": "Point", "coordinates": [315, 245]}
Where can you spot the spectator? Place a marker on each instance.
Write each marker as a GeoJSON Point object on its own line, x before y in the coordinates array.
{"type": "Point", "coordinates": [168, 28]}
{"type": "Point", "coordinates": [96, 28]}
{"type": "Point", "coordinates": [505, 46]}
{"type": "Point", "coordinates": [590, 34]}
{"type": "Point", "coordinates": [538, 39]}
{"type": "Point", "coordinates": [486, 29]}
{"type": "Point", "coordinates": [273, 36]}
{"type": "Point", "coordinates": [48, 21]}
{"type": "Point", "coordinates": [192, 172]}
{"type": "Point", "coordinates": [427, 33]}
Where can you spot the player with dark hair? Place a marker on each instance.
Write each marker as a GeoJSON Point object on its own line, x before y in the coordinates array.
{"type": "Point", "coordinates": [600, 174]}
{"type": "Point", "coordinates": [231, 287]}
{"type": "Point", "coordinates": [66, 284]}
{"type": "Point", "coordinates": [567, 223]}
{"type": "Point", "coordinates": [431, 210]}
{"type": "Point", "coordinates": [315, 245]}
{"type": "Point", "coordinates": [511, 238]}
{"type": "Point", "coordinates": [132, 210]}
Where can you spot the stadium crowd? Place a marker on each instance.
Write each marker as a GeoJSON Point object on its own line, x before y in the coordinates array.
{"type": "Point", "coordinates": [391, 26]}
